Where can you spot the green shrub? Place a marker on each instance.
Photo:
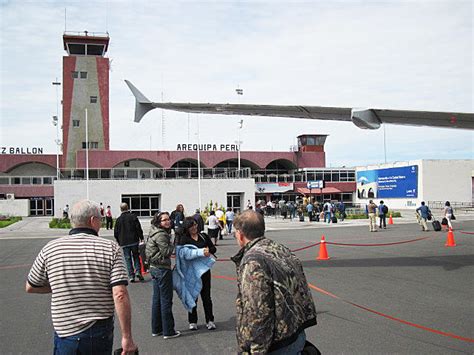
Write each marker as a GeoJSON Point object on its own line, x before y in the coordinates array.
{"type": "Point", "coordinates": [6, 221]}
{"type": "Point", "coordinates": [62, 223]}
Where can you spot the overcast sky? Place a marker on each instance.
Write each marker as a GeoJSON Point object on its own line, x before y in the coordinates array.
{"type": "Point", "coordinates": [387, 54]}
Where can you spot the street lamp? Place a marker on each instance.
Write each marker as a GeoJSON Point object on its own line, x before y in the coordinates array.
{"type": "Point", "coordinates": [56, 124]}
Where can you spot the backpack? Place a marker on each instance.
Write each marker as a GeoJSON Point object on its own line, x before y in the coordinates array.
{"type": "Point", "coordinates": [384, 209]}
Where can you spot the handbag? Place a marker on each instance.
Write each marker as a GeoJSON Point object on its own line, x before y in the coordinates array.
{"type": "Point", "coordinates": [453, 217]}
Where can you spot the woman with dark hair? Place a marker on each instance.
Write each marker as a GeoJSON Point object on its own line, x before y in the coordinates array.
{"type": "Point", "coordinates": [448, 213]}
{"type": "Point", "coordinates": [158, 252]}
{"type": "Point", "coordinates": [192, 275]}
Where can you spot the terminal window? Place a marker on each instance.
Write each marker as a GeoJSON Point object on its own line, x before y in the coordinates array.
{"type": "Point", "coordinates": [142, 205]}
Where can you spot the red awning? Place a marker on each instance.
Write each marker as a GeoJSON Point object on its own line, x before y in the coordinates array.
{"type": "Point", "coordinates": [326, 190]}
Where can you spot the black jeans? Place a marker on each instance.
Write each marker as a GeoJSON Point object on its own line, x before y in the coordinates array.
{"type": "Point", "coordinates": [383, 220]}
{"type": "Point", "coordinates": [206, 300]}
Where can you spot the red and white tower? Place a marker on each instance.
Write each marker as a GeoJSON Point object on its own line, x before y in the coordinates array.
{"type": "Point", "coordinates": [85, 86]}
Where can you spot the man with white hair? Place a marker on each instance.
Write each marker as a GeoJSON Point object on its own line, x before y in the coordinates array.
{"type": "Point", "coordinates": [87, 278]}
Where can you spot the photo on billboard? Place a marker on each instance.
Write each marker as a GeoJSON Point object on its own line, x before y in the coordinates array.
{"type": "Point", "coordinates": [400, 182]}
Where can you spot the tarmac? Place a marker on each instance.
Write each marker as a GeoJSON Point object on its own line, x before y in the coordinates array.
{"type": "Point", "coordinates": [397, 291]}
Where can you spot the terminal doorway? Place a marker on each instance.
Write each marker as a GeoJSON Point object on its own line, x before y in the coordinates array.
{"type": "Point", "coordinates": [234, 201]}
{"type": "Point", "coordinates": [41, 206]}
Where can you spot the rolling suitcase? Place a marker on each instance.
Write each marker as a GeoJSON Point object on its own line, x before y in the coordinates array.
{"type": "Point", "coordinates": [334, 219]}
{"type": "Point", "coordinates": [302, 218]}
{"type": "Point", "coordinates": [436, 225]}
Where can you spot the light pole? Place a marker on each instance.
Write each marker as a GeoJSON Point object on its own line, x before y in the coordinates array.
{"type": "Point", "coordinates": [199, 167]}
{"type": "Point", "coordinates": [239, 142]}
{"type": "Point", "coordinates": [239, 92]}
{"type": "Point", "coordinates": [87, 157]}
{"type": "Point", "coordinates": [56, 124]}
{"type": "Point", "coordinates": [58, 142]}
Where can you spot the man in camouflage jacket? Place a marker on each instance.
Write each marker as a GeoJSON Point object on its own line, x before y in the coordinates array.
{"type": "Point", "coordinates": [274, 304]}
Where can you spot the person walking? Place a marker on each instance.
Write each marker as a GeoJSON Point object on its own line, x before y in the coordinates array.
{"type": "Point", "coordinates": [213, 226]}
{"type": "Point", "coordinates": [327, 211]}
{"type": "Point", "coordinates": [342, 210]}
{"type": "Point", "coordinates": [66, 212]}
{"type": "Point", "coordinates": [229, 217]}
{"type": "Point", "coordinates": [158, 252]}
{"type": "Point", "coordinates": [109, 221]}
{"type": "Point", "coordinates": [177, 219]}
{"type": "Point", "coordinates": [383, 210]}
{"type": "Point", "coordinates": [448, 213]}
{"type": "Point", "coordinates": [274, 306]}
{"type": "Point", "coordinates": [193, 262]}
{"type": "Point", "coordinates": [424, 212]}
{"type": "Point", "coordinates": [92, 271]}
{"type": "Point", "coordinates": [309, 209]}
{"type": "Point", "coordinates": [128, 233]}
{"type": "Point", "coordinates": [372, 210]}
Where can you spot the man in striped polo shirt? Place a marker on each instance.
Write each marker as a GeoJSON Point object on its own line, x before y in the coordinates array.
{"type": "Point", "coordinates": [87, 277]}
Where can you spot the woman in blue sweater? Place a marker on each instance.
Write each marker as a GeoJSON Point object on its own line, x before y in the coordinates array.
{"type": "Point", "coordinates": [194, 252]}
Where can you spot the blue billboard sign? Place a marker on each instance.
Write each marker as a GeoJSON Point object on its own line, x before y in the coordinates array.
{"type": "Point", "coordinates": [401, 182]}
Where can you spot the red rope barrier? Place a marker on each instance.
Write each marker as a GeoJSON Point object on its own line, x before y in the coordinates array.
{"type": "Point", "coordinates": [378, 244]}
{"type": "Point", "coordinates": [465, 232]}
{"type": "Point", "coordinates": [306, 247]}
{"type": "Point", "coordinates": [320, 290]}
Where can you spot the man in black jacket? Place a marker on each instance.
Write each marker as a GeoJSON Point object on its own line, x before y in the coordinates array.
{"type": "Point", "coordinates": [128, 233]}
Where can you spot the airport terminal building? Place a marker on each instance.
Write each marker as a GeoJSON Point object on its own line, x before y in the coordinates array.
{"type": "Point", "coordinates": [36, 184]}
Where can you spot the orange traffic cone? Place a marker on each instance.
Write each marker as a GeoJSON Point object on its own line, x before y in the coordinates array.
{"type": "Point", "coordinates": [323, 253]}
{"type": "Point", "coordinates": [450, 240]}
{"type": "Point", "coordinates": [390, 219]}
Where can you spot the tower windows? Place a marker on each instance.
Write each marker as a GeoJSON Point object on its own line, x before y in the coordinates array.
{"type": "Point", "coordinates": [93, 99]}
{"type": "Point", "coordinates": [75, 123]}
{"type": "Point", "coordinates": [83, 74]}
{"type": "Point", "coordinates": [75, 74]}
{"type": "Point", "coordinates": [92, 145]}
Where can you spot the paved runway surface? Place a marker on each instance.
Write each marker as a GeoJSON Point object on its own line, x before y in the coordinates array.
{"type": "Point", "coordinates": [425, 287]}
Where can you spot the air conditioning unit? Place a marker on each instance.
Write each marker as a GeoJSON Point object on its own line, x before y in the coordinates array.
{"type": "Point", "coordinates": [10, 196]}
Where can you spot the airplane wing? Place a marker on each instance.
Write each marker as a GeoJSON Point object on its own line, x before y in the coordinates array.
{"type": "Point", "coordinates": [370, 118]}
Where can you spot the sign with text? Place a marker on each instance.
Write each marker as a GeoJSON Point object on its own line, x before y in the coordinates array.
{"type": "Point", "coordinates": [315, 184]}
{"type": "Point", "coordinates": [398, 182]}
{"type": "Point", "coordinates": [273, 187]}
{"type": "Point", "coordinates": [21, 150]}
{"type": "Point", "coordinates": [208, 147]}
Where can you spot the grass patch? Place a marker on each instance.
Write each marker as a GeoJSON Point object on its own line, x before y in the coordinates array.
{"type": "Point", "coordinates": [6, 221]}
{"type": "Point", "coordinates": [65, 223]}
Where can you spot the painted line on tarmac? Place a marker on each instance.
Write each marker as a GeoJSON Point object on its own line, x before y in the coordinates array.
{"type": "Point", "coordinates": [32, 237]}
{"type": "Point", "coordinates": [320, 290]}
{"type": "Point", "coordinates": [18, 266]}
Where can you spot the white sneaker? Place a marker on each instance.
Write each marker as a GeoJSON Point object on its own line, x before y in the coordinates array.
{"type": "Point", "coordinates": [175, 335]}
{"type": "Point", "coordinates": [193, 326]}
{"type": "Point", "coordinates": [211, 326]}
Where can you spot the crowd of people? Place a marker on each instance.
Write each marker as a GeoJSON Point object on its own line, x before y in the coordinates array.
{"type": "Point", "coordinates": [82, 270]}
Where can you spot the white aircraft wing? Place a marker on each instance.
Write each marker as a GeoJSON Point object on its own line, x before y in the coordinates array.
{"type": "Point", "coordinates": [370, 118]}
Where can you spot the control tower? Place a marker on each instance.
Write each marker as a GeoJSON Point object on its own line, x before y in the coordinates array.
{"type": "Point", "coordinates": [85, 86]}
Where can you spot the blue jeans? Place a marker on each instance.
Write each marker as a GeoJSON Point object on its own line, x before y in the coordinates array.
{"type": "Point", "coordinates": [327, 215]}
{"type": "Point", "coordinates": [98, 339]}
{"type": "Point", "coordinates": [294, 348]}
{"type": "Point", "coordinates": [162, 320]}
{"type": "Point", "coordinates": [229, 226]}
{"type": "Point", "coordinates": [129, 252]}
